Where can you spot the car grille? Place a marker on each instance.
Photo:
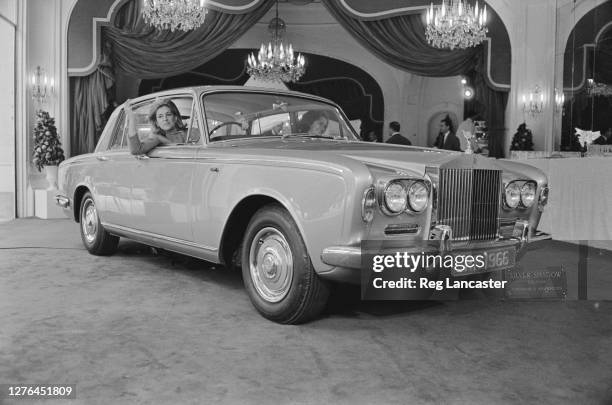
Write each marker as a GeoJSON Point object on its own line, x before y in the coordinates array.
{"type": "Point", "coordinates": [468, 201]}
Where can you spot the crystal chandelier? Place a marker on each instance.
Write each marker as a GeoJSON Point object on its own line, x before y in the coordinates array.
{"type": "Point", "coordinates": [183, 15]}
{"type": "Point", "coordinates": [276, 61]}
{"type": "Point", "coordinates": [455, 24]}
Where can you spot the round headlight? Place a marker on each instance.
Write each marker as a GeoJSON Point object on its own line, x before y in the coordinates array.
{"type": "Point", "coordinates": [395, 198]}
{"type": "Point", "coordinates": [417, 196]}
{"type": "Point", "coordinates": [528, 194]}
{"type": "Point", "coordinates": [368, 205]}
{"type": "Point", "coordinates": [512, 195]}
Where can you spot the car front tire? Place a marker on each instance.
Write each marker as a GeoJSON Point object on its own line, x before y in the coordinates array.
{"type": "Point", "coordinates": [94, 236]}
{"type": "Point", "coordinates": [278, 274]}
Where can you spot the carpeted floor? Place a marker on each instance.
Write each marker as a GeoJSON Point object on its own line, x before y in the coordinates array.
{"type": "Point", "coordinates": [139, 328]}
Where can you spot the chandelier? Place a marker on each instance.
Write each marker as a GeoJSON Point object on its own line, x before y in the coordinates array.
{"type": "Point", "coordinates": [276, 61]}
{"type": "Point", "coordinates": [455, 24]}
{"type": "Point", "coordinates": [183, 15]}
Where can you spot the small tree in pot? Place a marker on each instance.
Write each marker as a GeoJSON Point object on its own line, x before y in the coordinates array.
{"type": "Point", "coordinates": [522, 139]}
{"type": "Point", "coordinates": [48, 152]}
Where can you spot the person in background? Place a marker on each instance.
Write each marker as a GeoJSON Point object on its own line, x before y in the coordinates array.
{"type": "Point", "coordinates": [166, 127]}
{"type": "Point", "coordinates": [395, 136]}
{"type": "Point", "coordinates": [313, 123]}
{"type": "Point", "coordinates": [468, 126]}
{"type": "Point", "coordinates": [447, 139]}
{"type": "Point", "coordinates": [605, 138]}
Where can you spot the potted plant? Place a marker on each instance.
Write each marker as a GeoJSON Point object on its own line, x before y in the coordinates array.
{"type": "Point", "coordinates": [48, 152]}
{"type": "Point", "coordinates": [522, 139]}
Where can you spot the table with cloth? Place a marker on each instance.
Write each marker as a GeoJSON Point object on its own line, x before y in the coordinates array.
{"type": "Point", "coordinates": [580, 199]}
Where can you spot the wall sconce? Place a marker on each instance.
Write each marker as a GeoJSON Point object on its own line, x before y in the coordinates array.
{"type": "Point", "coordinates": [42, 85]}
{"type": "Point", "coordinates": [533, 103]}
{"type": "Point", "coordinates": [598, 89]}
{"type": "Point", "coordinates": [559, 101]}
{"type": "Point", "coordinates": [468, 91]}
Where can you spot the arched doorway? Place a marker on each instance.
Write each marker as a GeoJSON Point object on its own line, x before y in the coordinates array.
{"type": "Point", "coordinates": [433, 127]}
{"type": "Point", "coordinates": [587, 76]}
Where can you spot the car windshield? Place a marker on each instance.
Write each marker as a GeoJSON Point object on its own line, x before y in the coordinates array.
{"type": "Point", "coordinates": [236, 115]}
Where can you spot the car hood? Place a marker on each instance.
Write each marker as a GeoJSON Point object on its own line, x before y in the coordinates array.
{"type": "Point", "coordinates": [379, 156]}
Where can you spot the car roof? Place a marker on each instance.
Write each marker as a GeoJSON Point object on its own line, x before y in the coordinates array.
{"type": "Point", "coordinates": [198, 90]}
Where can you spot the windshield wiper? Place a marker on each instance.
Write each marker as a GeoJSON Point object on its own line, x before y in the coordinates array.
{"type": "Point", "coordinates": [306, 135]}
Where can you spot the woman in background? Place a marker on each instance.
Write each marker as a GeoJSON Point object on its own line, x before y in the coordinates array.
{"type": "Point", "coordinates": [313, 123]}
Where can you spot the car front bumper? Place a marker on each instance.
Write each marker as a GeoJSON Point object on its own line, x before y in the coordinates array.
{"type": "Point", "coordinates": [346, 260]}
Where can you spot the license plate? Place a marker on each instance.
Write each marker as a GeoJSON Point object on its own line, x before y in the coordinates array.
{"type": "Point", "coordinates": [494, 260]}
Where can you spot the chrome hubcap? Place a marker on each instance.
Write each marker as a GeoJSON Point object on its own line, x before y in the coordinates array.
{"type": "Point", "coordinates": [89, 221]}
{"type": "Point", "coordinates": [271, 264]}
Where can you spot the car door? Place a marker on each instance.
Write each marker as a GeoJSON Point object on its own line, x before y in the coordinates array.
{"type": "Point", "coordinates": [161, 181]}
{"type": "Point", "coordinates": [110, 178]}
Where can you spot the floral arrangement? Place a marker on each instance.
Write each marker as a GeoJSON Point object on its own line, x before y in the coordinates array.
{"type": "Point", "coordinates": [522, 139]}
{"type": "Point", "coordinates": [586, 137]}
{"type": "Point", "coordinates": [47, 146]}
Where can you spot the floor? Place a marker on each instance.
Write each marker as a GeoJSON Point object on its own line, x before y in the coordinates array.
{"type": "Point", "coordinates": [136, 328]}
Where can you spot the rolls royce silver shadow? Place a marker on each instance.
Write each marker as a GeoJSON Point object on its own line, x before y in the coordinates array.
{"type": "Point", "coordinates": [253, 185]}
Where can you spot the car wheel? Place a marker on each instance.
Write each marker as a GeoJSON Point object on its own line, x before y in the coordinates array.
{"type": "Point", "coordinates": [278, 274]}
{"type": "Point", "coordinates": [95, 238]}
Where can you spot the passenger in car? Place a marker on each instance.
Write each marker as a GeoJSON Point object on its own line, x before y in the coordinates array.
{"type": "Point", "coordinates": [313, 123]}
{"type": "Point", "coordinates": [166, 127]}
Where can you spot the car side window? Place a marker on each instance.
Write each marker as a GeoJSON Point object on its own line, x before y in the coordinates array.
{"type": "Point", "coordinates": [141, 119]}
{"type": "Point", "coordinates": [116, 142]}
{"type": "Point", "coordinates": [184, 121]}
{"type": "Point", "coordinates": [108, 132]}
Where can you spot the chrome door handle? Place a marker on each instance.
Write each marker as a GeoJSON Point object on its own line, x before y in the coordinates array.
{"type": "Point", "coordinates": [102, 158]}
{"type": "Point", "coordinates": [141, 157]}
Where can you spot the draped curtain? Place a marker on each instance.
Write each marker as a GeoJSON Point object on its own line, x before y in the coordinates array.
{"type": "Point", "coordinates": [144, 52]}
{"type": "Point", "coordinates": [91, 98]}
{"type": "Point", "coordinates": [488, 104]}
{"type": "Point", "coordinates": [400, 41]}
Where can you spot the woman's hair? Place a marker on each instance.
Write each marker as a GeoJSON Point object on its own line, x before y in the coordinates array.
{"type": "Point", "coordinates": [308, 118]}
{"type": "Point", "coordinates": [173, 109]}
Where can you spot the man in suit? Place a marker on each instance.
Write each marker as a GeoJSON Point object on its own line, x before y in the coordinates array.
{"type": "Point", "coordinates": [447, 139]}
{"type": "Point", "coordinates": [396, 137]}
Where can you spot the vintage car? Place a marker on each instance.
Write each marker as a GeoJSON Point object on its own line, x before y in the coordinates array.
{"type": "Point", "coordinates": [251, 188]}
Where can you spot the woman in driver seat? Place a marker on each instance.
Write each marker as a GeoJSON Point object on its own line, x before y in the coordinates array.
{"type": "Point", "coordinates": [313, 123]}
{"type": "Point", "coordinates": [166, 127]}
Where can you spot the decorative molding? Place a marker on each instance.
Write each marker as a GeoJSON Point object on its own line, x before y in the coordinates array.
{"type": "Point", "coordinates": [97, 24]}
{"type": "Point", "coordinates": [585, 49]}
{"type": "Point", "coordinates": [500, 86]}
{"type": "Point", "coordinates": [386, 13]}
{"type": "Point", "coordinates": [236, 9]}
{"type": "Point", "coordinates": [363, 91]}
{"type": "Point", "coordinates": [193, 72]}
